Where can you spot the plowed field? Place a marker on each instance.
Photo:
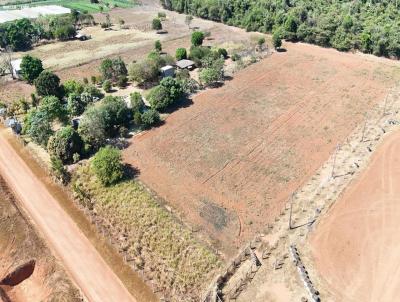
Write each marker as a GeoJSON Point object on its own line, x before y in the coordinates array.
{"type": "Point", "coordinates": [229, 161]}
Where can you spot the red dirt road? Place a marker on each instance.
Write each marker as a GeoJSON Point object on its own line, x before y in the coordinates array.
{"type": "Point", "coordinates": [87, 268]}
{"type": "Point", "coordinates": [229, 161]}
{"type": "Point", "coordinates": [356, 246]}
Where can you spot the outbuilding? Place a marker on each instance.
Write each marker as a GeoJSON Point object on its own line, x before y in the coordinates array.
{"type": "Point", "coordinates": [16, 68]}
{"type": "Point", "coordinates": [167, 71]}
{"type": "Point", "coordinates": [186, 64]}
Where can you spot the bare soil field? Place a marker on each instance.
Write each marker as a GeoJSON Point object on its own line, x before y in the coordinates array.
{"type": "Point", "coordinates": [228, 162]}
{"type": "Point", "coordinates": [19, 245]}
{"type": "Point", "coordinates": [355, 247]}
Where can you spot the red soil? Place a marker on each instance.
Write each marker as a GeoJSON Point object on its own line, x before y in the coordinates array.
{"type": "Point", "coordinates": [230, 161]}
{"type": "Point", "coordinates": [356, 247]}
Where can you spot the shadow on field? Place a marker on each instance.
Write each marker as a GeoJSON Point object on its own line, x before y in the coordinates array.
{"type": "Point", "coordinates": [182, 103]}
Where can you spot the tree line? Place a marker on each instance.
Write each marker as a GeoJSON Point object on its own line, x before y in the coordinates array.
{"type": "Point", "coordinates": [371, 26]}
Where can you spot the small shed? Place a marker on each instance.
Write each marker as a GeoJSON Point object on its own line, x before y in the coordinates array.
{"type": "Point", "coordinates": [16, 66]}
{"type": "Point", "coordinates": [14, 124]}
{"type": "Point", "coordinates": [186, 64]}
{"type": "Point", "coordinates": [167, 71]}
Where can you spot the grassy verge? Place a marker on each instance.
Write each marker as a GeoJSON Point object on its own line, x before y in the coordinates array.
{"type": "Point", "coordinates": [148, 235]}
{"type": "Point", "coordinates": [81, 5]}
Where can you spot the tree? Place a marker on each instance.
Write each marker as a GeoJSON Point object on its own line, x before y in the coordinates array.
{"type": "Point", "coordinates": [197, 38]}
{"type": "Point", "coordinates": [137, 103]}
{"type": "Point", "coordinates": [107, 165]}
{"type": "Point", "coordinates": [180, 54]}
{"type": "Point", "coordinates": [144, 71]}
{"type": "Point", "coordinates": [116, 113]}
{"type": "Point", "coordinates": [213, 73]}
{"type": "Point", "coordinates": [157, 46]}
{"type": "Point", "coordinates": [47, 83]}
{"type": "Point", "coordinates": [150, 118]}
{"type": "Point", "coordinates": [107, 86]}
{"type": "Point", "coordinates": [31, 68]}
{"type": "Point", "coordinates": [75, 105]}
{"type": "Point", "coordinates": [113, 69]}
{"type": "Point", "coordinates": [156, 24]}
{"type": "Point", "coordinates": [107, 69]}
{"type": "Point", "coordinates": [188, 20]}
{"type": "Point", "coordinates": [173, 86]}
{"type": "Point", "coordinates": [276, 40]}
{"type": "Point", "coordinates": [222, 53]}
{"type": "Point", "coordinates": [37, 125]}
{"type": "Point", "coordinates": [58, 169]}
{"type": "Point", "coordinates": [92, 128]}
{"type": "Point", "coordinates": [53, 107]}
{"type": "Point", "coordinates": [159, 98]}
{"type": "Point", "coordinates": [64, 144]}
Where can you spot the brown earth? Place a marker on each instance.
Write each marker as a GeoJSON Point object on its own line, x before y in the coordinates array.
{"type": "Point", "coordinates": [355, 247]}
{"type": "Point", "coordinates": [229, 161]}
{"type": "Point", "coordinates": [28, 271]}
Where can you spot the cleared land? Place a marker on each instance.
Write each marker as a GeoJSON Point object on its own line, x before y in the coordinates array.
{"type": "Point", "coordinates": [356, 245]}
{"type": "Point", "coordinates": [229, 161]}
{"type": "Point", "coordinates": [20, 244]}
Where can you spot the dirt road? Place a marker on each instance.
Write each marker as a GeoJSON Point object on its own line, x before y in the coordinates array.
{"type": "Point", "coordinates": [87, 268]}
{"type": "Point", "coordinates": [356, 247]}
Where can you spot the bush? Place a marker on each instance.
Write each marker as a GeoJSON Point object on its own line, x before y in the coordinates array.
{"type": "Point", "coordinates": [122, 81]}
{"type": "Point", "coordinates": [38, 126]}
{"type": "Point", "coordinates": [93, 92]}
{"type": "Point", "coordinates": [199, 53]}
{"type": "Point", "coordinates": [197, 38]}
{"type": "Point", "coordinates": [85, 81]}
{"type": "Point", "coordinates": [156, 24]}
{"type": "Point", "coordinates": [150, 118]}
{"type": "Point", "coordinates": [92, 128]}
{"type": "Point", "coordinates": [180, 54]}
{"type": "Point", "coordinates": [54, 108]}
{"type": "Point", "coordinates": [276, 40]}
{"type": "Point", "coordinates": [64, 144]}
{"type": "Point", "coordinates": [107, 165]}
{"type": "Point", "coordinates": [235, 57]}
{"type": "Point", "coordinates": [93, 80]}
{"type": "Point", "coordinates": [107, 86]}
{"type": "Point", "coordinates": [144, 71]}
{"type": "Point", "coordinates": [222, 53]}
{"type": "Point", "coordinates": [159, 98]}
{"type": "Point", "coordinates": [31, 68]}
{"type": "Point", "coordinates": [72, 86]}
{"type": "Point", "coordinates": [137, 118]}
{"type": "Point", "coordinates": [161, 15]}
{"type": "Point", "coordinates": [158, 46]}
{"type": "Point", "coordinates": [76, 105]}
{"type": "Point", "coordinates": [47, 83]}
{"type": "Point", "coordinates": [137, 103]}
{"type": "Point", "coordinates": [58, 170]}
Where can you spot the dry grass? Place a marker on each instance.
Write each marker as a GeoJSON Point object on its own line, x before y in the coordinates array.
{"type": "Point", "coordinates": [148, 235]}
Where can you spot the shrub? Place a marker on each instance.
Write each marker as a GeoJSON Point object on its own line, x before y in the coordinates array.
{"type": "Point", "coordinates": [85, 81]}
{"type": "Point", "coordinates": [235, 57]}
{"type": "Point", "coordinates": [158, 46]}
{"type": "Point", "coordinates": [159, 98]}
{"type": "Point", "coordinates": [197, 38]}
{"type": "Point", "coordinates": [156, 24]}
{"type": "Point", "coordinates": [222, 53]}
{"type": "Point", "coordinates": [72, 86]}
{"type": "Point", "coordinates": [47, 83]}
{"type": "Point", "coordinates": [93, 92]}
{"type": "Point", "coordinates": [276, 40]}
{"type": "Point", "coordinates": [261, 41]}
{"type": "Point", "coordinates": [64, 144]}
{"type": "Point", "coordinates": [199, 53]}
{"type": "Point", "coordinates": [150, 118]}
{"type": "Point", "coordinates": [137, 118]}
{"type": "Point", "coordinates": [107, 86]}
{"type": "Point", "coordinates": [180, 54]}
{"type": "Point", "coordinates": [38, 126]}
{"type": "Point", "coordinates": [54, 108]}
{"type": "Point", "coordinates": [58, 170]}
{"type": "Point", "coordinates": [107, 165]}
{"type": "Point", "coordinates": [93, 80]}
{"type": "Point", "coordinates": [137, 103]}
{"type": "Point", "coordinates": [161, 15]}
{"type": "Point", "coordinates": [92, 128]}
{"type": "Point", "coordinates": [31, 68]}
{"type": "Point", "coordinates": [144, 71]}
{"type": "Point", "coordinates": [122, 81]}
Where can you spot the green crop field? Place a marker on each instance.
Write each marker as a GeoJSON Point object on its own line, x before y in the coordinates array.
{"type": "Point", "coordinates": [81, 5]}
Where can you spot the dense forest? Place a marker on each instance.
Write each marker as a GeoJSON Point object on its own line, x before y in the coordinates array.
{"type": "Point", "coordinates": [371, 26]}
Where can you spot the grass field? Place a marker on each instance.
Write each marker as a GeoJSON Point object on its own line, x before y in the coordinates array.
{"type": "Point", "coordinates": [81, 5]}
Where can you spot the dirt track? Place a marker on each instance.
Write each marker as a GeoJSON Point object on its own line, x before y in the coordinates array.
{"type": "Point", "coordinates": [356, 245]}
{"type": "Point", "coordinates": [80, 258]}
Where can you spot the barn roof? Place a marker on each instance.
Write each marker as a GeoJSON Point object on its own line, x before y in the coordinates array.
{"type": "Point", "coordinates": [184, 64]}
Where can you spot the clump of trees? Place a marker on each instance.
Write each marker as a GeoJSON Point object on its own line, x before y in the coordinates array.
{"type": "Point", "coordinates": [371, 27]}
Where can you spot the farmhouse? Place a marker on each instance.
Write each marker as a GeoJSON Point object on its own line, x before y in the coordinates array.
{"type": "Point", "coordinates": [185, 64]}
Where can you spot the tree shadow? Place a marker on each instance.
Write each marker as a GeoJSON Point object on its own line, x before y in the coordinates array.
{"type": "Point", "coordinates": [130, 172]}
{"type": "Point", "coordinates": [281, 50]}
{"type": "Point", "coordinates": [228, 78]}
{"type": "Point", "coordinates": [184, 102]}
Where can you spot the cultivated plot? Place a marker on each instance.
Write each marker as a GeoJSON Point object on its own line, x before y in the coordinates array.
{"type": "Point", "coordinates": [229, 161]}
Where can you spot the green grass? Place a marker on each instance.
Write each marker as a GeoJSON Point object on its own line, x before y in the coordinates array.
{"type": "Point", "coordinates": [81, 5]}
{"type": "Point", "coordinates": [155, 240]}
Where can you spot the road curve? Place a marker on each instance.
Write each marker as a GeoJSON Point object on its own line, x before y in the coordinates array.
{"type": "Point", "coordinates": [87, 268]}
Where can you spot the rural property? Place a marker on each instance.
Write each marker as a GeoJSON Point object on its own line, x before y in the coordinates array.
{"type": "Point", "coordinates": [189, 150]}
